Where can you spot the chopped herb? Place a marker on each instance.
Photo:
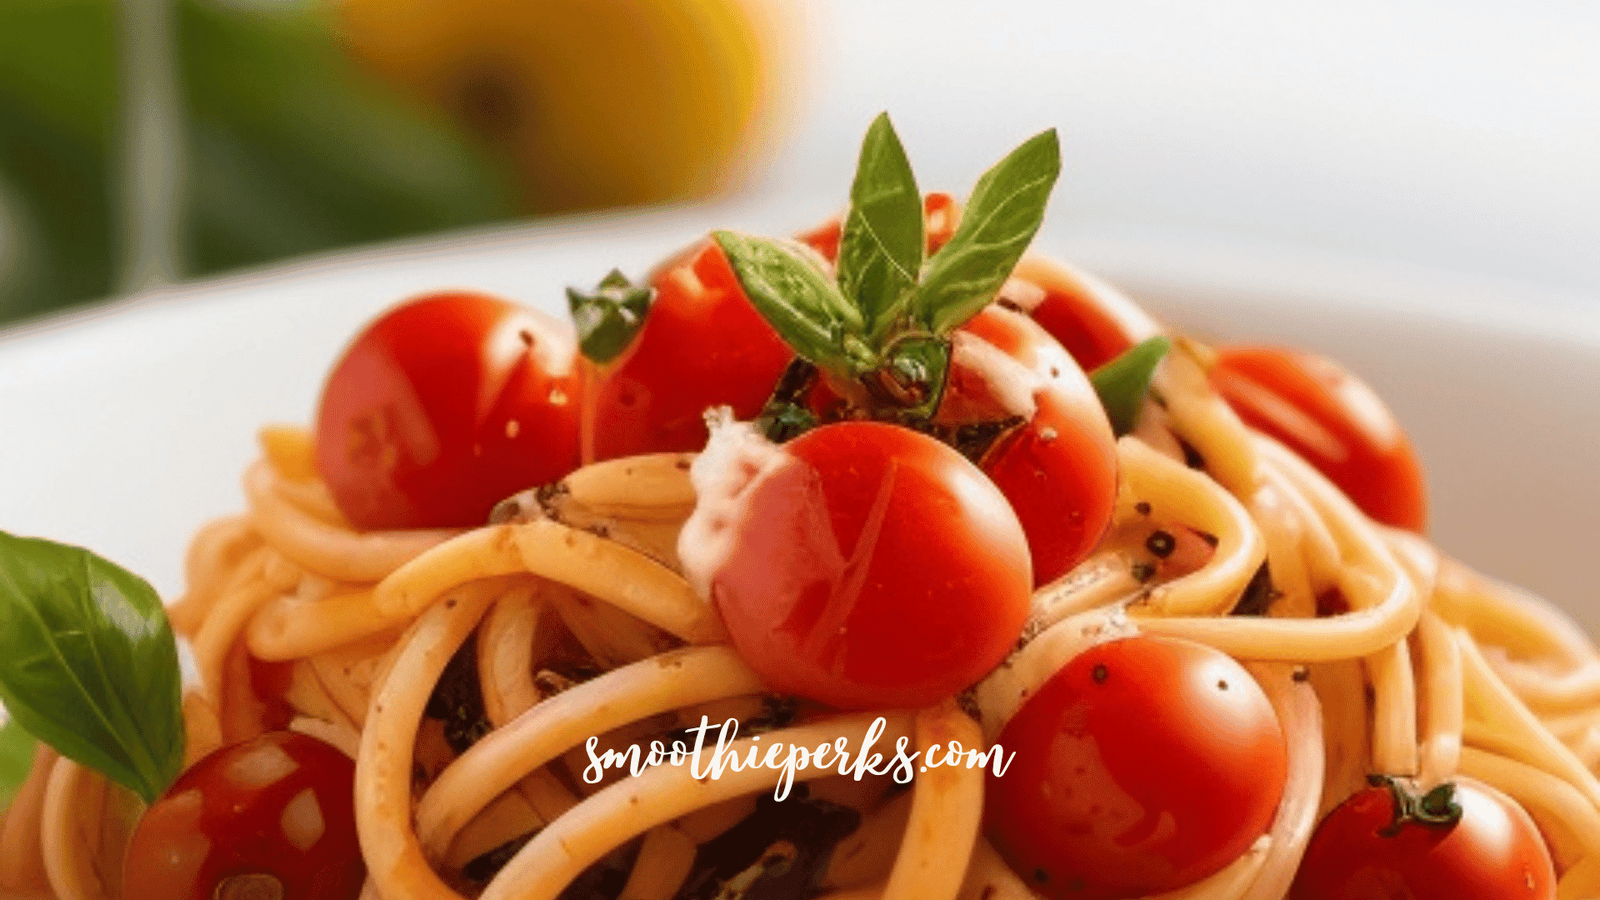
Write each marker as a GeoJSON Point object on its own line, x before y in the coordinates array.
{"type": "Point", "coordinates": [1161, 543]}
{"type": "Point", "coordinates": [457, 700]}
{"type": "Point", "coordinates": [608, 317]}
{"type": "Point", "coordinates": [778, 852]}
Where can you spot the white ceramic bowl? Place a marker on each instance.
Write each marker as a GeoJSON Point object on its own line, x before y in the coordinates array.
{"type": "Point", "coordinates": [124, 429]}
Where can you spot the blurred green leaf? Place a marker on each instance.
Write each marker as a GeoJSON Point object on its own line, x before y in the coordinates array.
{"type": "Point", "coordinates": [289, 147]}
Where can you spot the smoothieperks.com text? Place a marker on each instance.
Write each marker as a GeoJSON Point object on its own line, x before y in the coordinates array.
{"type": "Point", "coordinates": [789, 758]}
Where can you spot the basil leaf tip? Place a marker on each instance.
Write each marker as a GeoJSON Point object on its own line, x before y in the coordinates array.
{"type": "Point", "coordinates": [89, 663]}
{"type": "Point", "coordinates": [1003, 214]}
{"type": "Point", "coordinates": [881, 242]}
{"type": "Point", "coordinates": [1124, 382]}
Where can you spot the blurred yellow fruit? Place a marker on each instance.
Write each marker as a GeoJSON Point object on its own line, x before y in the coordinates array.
{"type": "Point", "coordinates": [597, 102]}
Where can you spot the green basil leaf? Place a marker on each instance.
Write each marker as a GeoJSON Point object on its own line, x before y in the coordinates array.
{"type": "Point", "coordinates": [1123, 382]}
{"type": "Point", "coordinates": [16, 757]}
{"type": "Point", "coordinates": [880, 249]}
{"type": "Point", "coordinates": [88, 663]}
{"type": "Point", "coordinates": [608, 317]}
{"type": "Point", "coordinates": [1001, 218]}
{"type": "Point", "coordinates": [794, 295]}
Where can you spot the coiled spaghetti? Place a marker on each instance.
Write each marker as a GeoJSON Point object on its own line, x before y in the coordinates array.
{"type": "Point", "coordinates": [1433, 671]}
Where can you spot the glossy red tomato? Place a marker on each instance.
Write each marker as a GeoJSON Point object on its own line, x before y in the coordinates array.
{"type": "Point", "coordinates": [1059, 468]}
{"type": "Point", "coordinates": [1143, 765]}
{"type": "Point", "coordinates": [702, 345]}
{"type": "Point", "coordinates": [444, 406]}
{"type": "Point", "coordinates": [871, 566]}
{"type": "Point", "coordinates": [1091, 319]}
{"type": "Point", "coordinates": [1334, 421]}
{"type": "Point", "coordinates": [272, 817]}
{"type": "Point", "coordinates": [1493, 853]}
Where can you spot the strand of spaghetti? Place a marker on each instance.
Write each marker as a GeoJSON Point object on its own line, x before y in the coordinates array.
{"type": "Point", "coordinates": [291, 450]}
{"type": "Point", "coordinates": [866, 855]}
{"type": "Point", "coordinates": [506, 653]}
{"type": "Point", "coordinates": [21, 848]}
{"type": "Point", "coordinates": [1489, 699]}
{"type": "Point", "coordinates": [1384, 604]}
{"type": "Point", "coordinates": [1284, 537]}
{"type": "Point", "coordinates": [619, 697]}
{"type": "Point", "coordinates": [549, 862]}
{"type": "Point", "coordinates": [1581, 882]}
{"type": "Point", "coordinates": [666, 857]}
{"type": "Point", "coordinates": [226, 620]}
{"type": "Point", "coordinates": [215, 552]}
{"type": "Point", "coordinates": [946, 805]}
{"type": "Point", "coordinates": [335, 552]}
{"type": "Point", "coordinates": [1002, 692]}
{"type": "Point", "coordinates": [1565, 848]}
{"type": "Point", "coordinates": [1203, 420]}
{"type": "Point", "coordinates": [653, 485]}
{"type": "Point", "coordinates": [1550, 800]}
{"type": "Point", "coordinates": [1100, 580]}
{"type": "Point", "coordinates": [1506, 616]}
{"type": "Point", "coordinates": [989, 877]}
{"type": "Point", "coordinates": [85, 826]}
{"type": "Point", "coordinates": [1548, 691]}
{"type": "Point", "coordinates": [1394, 709]}
{"type": "Point", "coordinates": [1320, 550]}
{"type": "Point", "coordinates": [287, 627]}
{"type": "Point", "coordinates": [1442, 710]}
{"type": "Point", "coordinates": [395, 864]}
{"type": "Point", "coordinates": [578, 559]}
{"type": "Point", "coordinates": [1300, 716]}
{"type": "Point", "coordinates": [1188, 496]}
{"type": "Point", "coordinates": [1346, 729]}
{"type": "Point", "coordinates": [611, 636]}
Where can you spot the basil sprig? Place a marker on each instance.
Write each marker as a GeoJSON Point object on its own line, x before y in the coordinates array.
{"type": "Point", "coordinates": [887, 315]}
{"type": "Point", "coordinates": [1002, 216]}
{"type": "Point", "coordinates": [88, 663]}
{"type": "Point", "coordinates": [16, 758]}
{"type": "Point", "coordinates": [1124, 382]}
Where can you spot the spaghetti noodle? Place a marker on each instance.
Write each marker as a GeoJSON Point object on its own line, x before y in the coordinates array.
{"type": "Point", "coordinates": [1432, 672]}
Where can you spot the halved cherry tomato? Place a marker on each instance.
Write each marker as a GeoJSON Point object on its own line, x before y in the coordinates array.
{"type": "Point", "coordinates": [1059, 467]}
{"type": "Point", "coordinates": [272, 817]}
{"type": "Point", "coordinates": [444, 406]}
{"type": "Point", "coordinates": [866, 565]}
{"type": "Point", "coordinates": [1359, 851]}
{"type": "Point", "coordinates": [1091, 319]}
{"type": "Point", "coordinates": [702, 345]}
{"type": "Point", "coordinates": [1334, 421]}
{"type": "Point", "coordinates": [1143, 765]}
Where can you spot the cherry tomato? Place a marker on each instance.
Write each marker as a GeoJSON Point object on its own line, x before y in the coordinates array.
{"type": "Point", "coordinates": [1143, 765]}
{"type": "Point", "coordinates": [1059, 468]}
{"type": "Point", "coordinates": [1334, 421]}
{"type": "Point", "coordinates": [1091, 319]}
{"type": "Point", "coordinates": [872, 566]}
{"type": "Point", "coordinates": [702, 345]}
{"type": "Point", "coordinates": [444, 406]}
{"type": "Point", "coordinates": [272, 817]}
{"type": "Point", "coordinates": [1493, 853]}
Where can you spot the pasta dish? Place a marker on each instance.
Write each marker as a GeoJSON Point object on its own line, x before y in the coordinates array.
{"type": "Point", "coordinates": [896, 561]}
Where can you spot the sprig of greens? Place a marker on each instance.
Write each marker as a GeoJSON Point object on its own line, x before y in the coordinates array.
{"type": "Point", "coordinates": [89, 664]}
{"type": "Point", "coordinates": [608, 317]}
{"type": "Point", "coordinates": [887, 315]}
{"type": "Point", "coordinates": [1124, 382]}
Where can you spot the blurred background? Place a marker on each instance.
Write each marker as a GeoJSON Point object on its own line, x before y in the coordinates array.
{"type": "Point", "coordinates": [147, 141]}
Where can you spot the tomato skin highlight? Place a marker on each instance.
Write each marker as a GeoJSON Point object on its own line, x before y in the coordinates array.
{"type": "Point", "coordinates": [1143, 765]}
{"type": "Point", "coordinates": [1493, 853]}
{"type": "Point", "coordinates": [445, 405]}
{"type": "Point", "coordinates": [702, 345]}
{"type": "Point", "coordinates": [875, 567]}
{"type": "Point", "coordinates": [279, 806]}
{"type": "Point", "coordinates": [1332, 420]}
{"type": "Point", "coordinates": [1059, 468]}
